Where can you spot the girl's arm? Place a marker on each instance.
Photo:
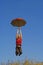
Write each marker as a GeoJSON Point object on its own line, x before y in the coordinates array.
{"type": "Point", "coordinates": [17, 34]}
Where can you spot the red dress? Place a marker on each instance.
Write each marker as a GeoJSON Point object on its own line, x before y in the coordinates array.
{"type": "Point", "coordinates": [18, 41]}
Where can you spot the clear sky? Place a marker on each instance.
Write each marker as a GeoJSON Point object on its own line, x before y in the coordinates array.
{"type": "Point", "coordinates": [32, 46]}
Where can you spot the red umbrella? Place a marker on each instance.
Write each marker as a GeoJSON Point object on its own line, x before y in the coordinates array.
{"type": "Point", "coordinates": [18, 22]}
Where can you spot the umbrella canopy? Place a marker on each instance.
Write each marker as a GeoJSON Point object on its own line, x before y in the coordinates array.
{"type": "Point", "coordinates": [18, 22]}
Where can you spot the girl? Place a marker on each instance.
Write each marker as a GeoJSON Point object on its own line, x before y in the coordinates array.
{"type": "Point", "coordinates": [18, 42]}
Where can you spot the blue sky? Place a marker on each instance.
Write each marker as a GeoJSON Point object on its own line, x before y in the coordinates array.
{"type": "Point", "coordinates": [32, 46]}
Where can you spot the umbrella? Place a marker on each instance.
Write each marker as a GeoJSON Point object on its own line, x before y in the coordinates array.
{"type": "Point", "coordinates": [18, 22]}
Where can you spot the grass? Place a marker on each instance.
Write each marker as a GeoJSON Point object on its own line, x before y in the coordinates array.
{"type": "Point", "coordinates": [26, 62]}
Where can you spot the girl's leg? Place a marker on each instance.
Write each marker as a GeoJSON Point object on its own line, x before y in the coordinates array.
{"type": "Point", "coordinates": [17, 50]}
{"type": "Point", "coordinates": [20, 50]}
